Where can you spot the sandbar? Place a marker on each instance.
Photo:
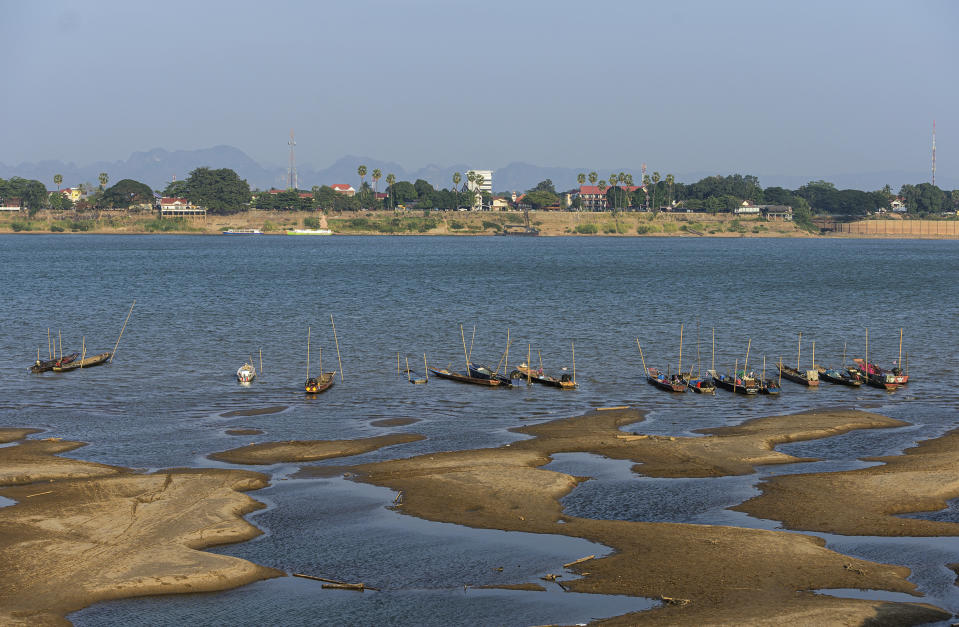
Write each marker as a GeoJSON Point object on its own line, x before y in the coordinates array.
{"type": "Point", "coordinates": [263, 411]}
{"type": "Point", "coordinates": [394, 422]}
{"type": "Point", "coordinates": [82, 532]}
{"type": "Point", "coordinates": [244, 431]}
{"type": "Point", "coordinates": [309, 450]}
{"type": "Point", "coordinates": [728, 575]}
{"type": "Point", "coordinates": [867, 501]}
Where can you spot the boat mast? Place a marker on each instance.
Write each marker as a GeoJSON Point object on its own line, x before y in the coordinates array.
{"type": "Point", "coordinates": [573, 345]}
{"type": "Point", "coordinates": [308, 353]}
{"type": "Point", "coordinates": [746, 363]}
{"type": "Point", "coordinates": [679, 368]}
{"type": "Point", "coordinates": [699, 368]}
{"type": "Point", "coordinates": [899, 363]}
{"type": "Point", "coordinates": [844, 354]}
{"type": "Point", "coordinates": [714, 349]}
{"type": "Point", "coordinates": [798, 351]}
{"type": "Point", "coordinates": [814, 354]}
{"type": "Point", "coordinates": [465, 354]}
{"type": "Point", "coordinates": [641, 357]}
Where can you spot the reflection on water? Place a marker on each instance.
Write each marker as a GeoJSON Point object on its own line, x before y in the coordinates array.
{"type": "Point", "coordinates": [205, 304]}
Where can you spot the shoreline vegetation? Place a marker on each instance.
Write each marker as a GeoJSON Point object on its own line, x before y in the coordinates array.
{"type": "Point", "coordinates": [548, 223]}
{"type": "Point", "coordinates": [82, 532]}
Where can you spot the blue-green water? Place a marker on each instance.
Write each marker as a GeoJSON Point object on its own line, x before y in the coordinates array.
{"type": "Point", "coordinates": [205, 304]}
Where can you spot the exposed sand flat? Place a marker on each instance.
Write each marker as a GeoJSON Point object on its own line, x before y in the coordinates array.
{"type": "Point", "coordinates": [35, 460]}
{"type": "Point", "coordinates": [728, 451]}
{"type": "Point", "coordinates": [71, 541]}
{"type": "Point", "coordinates": [866, 501]}
{"type": "Point", "coordinates": [12, 434]}
{"type": "Point", "coordinates": [309, 450]}
{"type": "Point", "coordinates": [262, 411]}
{"type": "Point", "coordinates": [394, 422]}
{"type": "Point", "coordinates": [730, 575]}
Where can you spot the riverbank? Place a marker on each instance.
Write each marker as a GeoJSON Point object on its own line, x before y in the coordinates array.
{"type": "Point", "coordinates": [548, 223]}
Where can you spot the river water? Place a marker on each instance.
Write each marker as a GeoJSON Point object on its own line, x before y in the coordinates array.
{"type": "Point", "coordinates": [206, 304]}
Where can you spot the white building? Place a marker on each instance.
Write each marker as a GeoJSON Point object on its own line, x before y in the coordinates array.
{"type": "Point", "coordinates": [486, 176]}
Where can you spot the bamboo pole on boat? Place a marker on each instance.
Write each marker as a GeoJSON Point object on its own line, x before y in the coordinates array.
{"type": "Point", "coordinates": [472, 338]}
{"type": "Point", "coordinates": [573, 344]}
{"type": "Point", "coordinates": [60, 334]}
{"type": "Point", "coordinates": [409, 377]}
{"type": "Point", "coordinates": [798, 351]}
{"type": "Point", "coordinates": [38, 354]}
{"type": "Point", "coordinates": [899, 363]}
{"type": "Point", "coordinates": [844, 354]}
{"type": "Point", "coordinates": [814, 354]}
{"type": "Point", "coordinates": [735, 376]}
{"type": "Point", "coordinates": [465, 353]}
{"type": "Point", "coordinates": [261, 362]}
{"type": "Point", "coordinates": [321, 361]}
{"type": "Point", "coordinates": [866, 359]}
{"type": "Point", "coordinates": [337, 342]}
{"type": "Point", "coordinates": [397, 362]}
{"type": "Point", "coordinates": [714, 349]}
{"type": "Point", "coordinates": [307, 353]}
{"type": "Point", "coordinates": [699, 368]}
{"type": "Point", "coordinates": [113, 354]}
{"type": "Point", "coordinates": [746, 363]}
{"type": "Point", "coordinates": [679, 368]}
{"type": "Point", "coordinates": [645, 370]}
{"type": "Point", "coordinates": [764, 368]}
{"type": "Point", "coordinates": [426, 369]}
{"type": "Point", "coordinates": [506, 358]}
{"type": "Point", "coordinates": [540, 360]}
{"type": "Point", "coordinates": [780, 371]}
{"type": "Point", "coordinates": [529, 366]}
{"type": "Point", "coordinates": [49, 346]}
{"type": "Point", "coordinates": [83, 349]}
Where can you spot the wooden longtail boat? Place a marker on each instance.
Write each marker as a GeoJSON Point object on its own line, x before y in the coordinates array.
{"type": "Point", "coordinates": [50, 364]}
{"type": "Point", "coordinates": [739, 385]}
{"type": "Point", "coordinates": [769, 386]}
{"type": "Point", "coordinates": [318, 385]}
{"type": "Point", "coordinates": [523, 371]}
{"type": "Point", "coordinates": [700, 385]}
{"type": "Point", "coordinates": [245, 374]}
{"type": "Point", "coordinates": [673, 383]}
{"type": "Point", "coordinates": [88, 362]}
{"type": "Point", "coordinates": [876, 376]}
{"type": "Point", "coordinates": [804, 377]}
{"type": "Point", "coordinates": [483, 372]}
{"type": "Point", "coordinates": [840, 376]}
{"type": "Point", "coordinates": [444, 373]}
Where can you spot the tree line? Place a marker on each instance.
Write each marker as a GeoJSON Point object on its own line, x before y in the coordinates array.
{"type": "Point", "coordinates": [222, 191]}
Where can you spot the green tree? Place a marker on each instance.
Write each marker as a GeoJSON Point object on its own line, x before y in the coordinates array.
{"type": "Point", "coordinates": [220, 191]}
{"type": "Point", "coordinates": [539, 198]}
{"type": "Point", "coordinates": [670, 179]}
{"type": "Point", "coordinates": [390, 179]}
{"type": "Point", "coordinates": [57, 179]}
{"type": "Point", "coordinates": [126, 193]}
{"type": "Point", "coordinates": [362, 172]}
{"type": "Point", "coordinates": [545, 186]}
{"type": "Point", "coordinates": [646, 183]}
{"type": "Point", "coordinates": [457, 179]}
{"type": "Point", "coordinates": [593, 177]}
{"type": "Point", "coordinates": [613, 180]}
{"type": "Point", "coordinates": [376, 176]}
{"type": "Point", "coordinates": [581, 178]}
{"type": "Point", "coordinates": [402, 192]}
{"type": "Point", "coordinates": [104, 179]}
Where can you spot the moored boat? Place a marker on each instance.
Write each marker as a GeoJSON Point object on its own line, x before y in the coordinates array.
{"type": "Point", "coordinates": [245, 374]}
{"type": "Point", "coordinates": [673, 383]}
{"type": "Point", "coordinates": [738, 384]}
{"type": "Point", "coordinates": [320, 384]}
{"type": "Point", "coordinates": [534, 375]}
{"type": "Point", "coordinates": [769, 387]}
{"type": "Point", "coordinates": [87, 362]}
{"type": "Point", "coordinates": [700, 385]}
{"type": "Point", "coordinates": [802, 377]}
{"type": "Point", "coordinates": [243, 232]}
{"type": "Point", "coordinates": [445, 373]}
{"type": "Point", "coordinates": [483, 372]}
{"type": "Point", "coordinates": [309, 232]}
{"type": "Point", "coordinates": [876, 376]}
{"type": "Point", "coordinates": [840, 376]}
{"type": "Point", "coordinates": [50, 364]}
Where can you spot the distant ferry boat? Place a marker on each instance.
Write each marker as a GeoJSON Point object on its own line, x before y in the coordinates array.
{"type": "Point", "coordinates": [243, 232]}
{"type": "Point", "coordinates": [309, 232]}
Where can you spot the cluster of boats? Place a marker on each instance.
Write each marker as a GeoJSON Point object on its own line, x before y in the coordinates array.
{"type": "Point", "coordinates": [58, 362]}
{"type": "Point", "coordinates": [745, 381]}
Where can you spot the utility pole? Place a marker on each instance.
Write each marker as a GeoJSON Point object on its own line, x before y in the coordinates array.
{"type": "Point", "coordinates": [292, 171]}
{"type": "Point", "coordinates": [933, 152]}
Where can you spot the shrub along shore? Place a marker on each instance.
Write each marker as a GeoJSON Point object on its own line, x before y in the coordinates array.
{"type": "Point", "coordinates": [549, 223]}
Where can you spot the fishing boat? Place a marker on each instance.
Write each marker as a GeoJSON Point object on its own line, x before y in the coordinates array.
{"type": "Point", "coordinates": [50, 364]}
{"type": "Point", "coordinates": [445, 373]}
{"type": "Point", "coordinates": [483, 372]}
{"type": "Point", "coordinates": [673, 383]}
{"type": "Point", "coordinates": [876, 376]}
{"type": "Point", "coordinates": [769, 387]}
{"type": "Point", "coordinates": [698, 384]}
{"type": "Point", "coordinates": [243, 232]}
{"type": "Point", "coordinates": [739, 384]}
{"type": "Point", "coordinates": [522, 371]}
{"type": "Point", "coordinates": [87, 362]}
{"type": "Point", "coordinates": [320, 384]}
{"type": "Point", "coordinates": [796, 375]}
{"type": "Point", "coordinates": [245, 374]}
{"type": "Point", "coordinates": [840, 376]}
{"type": "Point", "coordinates": [309, 232]}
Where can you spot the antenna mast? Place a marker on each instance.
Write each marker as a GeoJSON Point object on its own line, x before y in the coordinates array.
{"type": "Point", "coordinates": [292, 172]}
{"type": "Point", "coordinates": [933, 152]}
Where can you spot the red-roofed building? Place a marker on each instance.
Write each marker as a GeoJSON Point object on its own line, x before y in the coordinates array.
{"type": "Point", "coordinates": [10, 204]}
{"type": "Point", "coordinates": [594, 200]}
{"type": "Point", "coordinates": [170, 207]}
{"type": "Point", "coordinates": [343, 188]}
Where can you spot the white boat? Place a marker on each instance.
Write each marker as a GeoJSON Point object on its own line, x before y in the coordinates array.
{"type": "Point", "coordinates": [245, 374]}
{"type": "Point", "coordinates": [243, 232]}
{"type": "Point", "coordinates": [309, 232]}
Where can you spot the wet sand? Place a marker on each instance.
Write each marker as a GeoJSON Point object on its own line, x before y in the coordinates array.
{"type": "Point", "coordinates": [729, 575]}
{"type": "Point", "coordinates": [867, 501]}
{"type": "Point", "coordinates": [83, 532]}
{"type": "Point", "coordinates": [394, 422]}
{"type": "Point", "coordinates": [309, 450]}
{"type": "Point", "coordinates": [263, 411]}
{"type": "Point", "coordinates": [244, 432]}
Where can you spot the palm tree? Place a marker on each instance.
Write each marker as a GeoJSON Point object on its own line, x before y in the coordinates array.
{"type": "Point", "coordinates": [655, 179]}
{"type": "Point", "coordinates": [602, 188]}
{"type": "Point", "coordinates": [376, 176]}
{"type": "Point", "coordinates": [478, 181]}
{"type": "Point", "coordinates": [593, 177]}
{"type": "Point", "coordinates": [103, 179]}
{"type": "Point", "coordinates": [471, 185]}
{"type": "Point", "coordinates": [613, 179]}
{"type": "Point", "coordinates": [57, 179]}
{"type": "Point", "coordinates": [627, 180]}
{"type": "Point", "coordinates": [362, 172]}
{"type": "Point", "coordinates": [669, 183]}
{"type": "Point", "coordinates": [581, 178]}
{"type": "Point", "coordinates": [457, 178]}
{"type": "Point", "coordinates": [390, 179]}
{"type": "Point", "coordinates": [646, 183]}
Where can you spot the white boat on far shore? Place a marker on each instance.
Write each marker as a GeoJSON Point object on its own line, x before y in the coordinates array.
{"type": "Point", "coordinates": [309, 232]}
{"type": "Point", "coordinates": [243, 232]}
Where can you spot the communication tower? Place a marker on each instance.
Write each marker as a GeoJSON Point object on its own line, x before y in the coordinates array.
{"type": "Point", "coordinates": [292, 172]}
{"type": "Point", "coordinates": [933, 152]}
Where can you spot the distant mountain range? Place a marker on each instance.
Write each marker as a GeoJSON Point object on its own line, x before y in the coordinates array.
{"type": "Point", "coordinates": [157, 167]}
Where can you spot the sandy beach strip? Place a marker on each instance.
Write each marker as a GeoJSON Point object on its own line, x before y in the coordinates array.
{"type": "Point", "coordinates": [868, 501]}
{"type": "Point", "coordinates": [309, 450]}
{"type": "Point", "coordinates": [84, 532]}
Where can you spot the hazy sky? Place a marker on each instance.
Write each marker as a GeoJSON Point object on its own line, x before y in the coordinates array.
{"type": "Point", "coordinates": [760, 87]}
